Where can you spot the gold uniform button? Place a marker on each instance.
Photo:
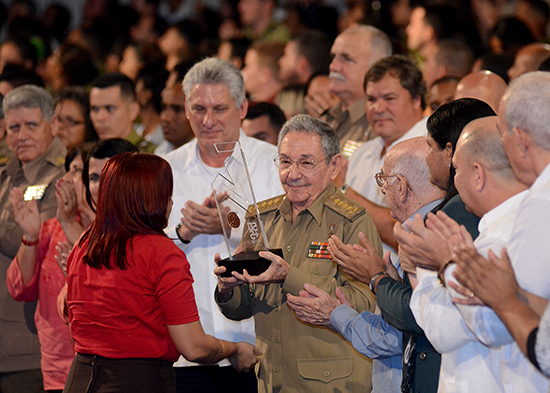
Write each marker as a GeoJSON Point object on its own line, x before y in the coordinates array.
{"type": "Point", "coordinates": [276, 340]}
{"type": "Point", "coordinates": [316, 272]}
{"type": "Point", "coordinates": [423, 356]}
{"type": "Point", "coordinates": [288, 248]}
{"type": "Point", "coordinates": [327, 373]}
{"type": "Point", "coordinates": [277, 369]}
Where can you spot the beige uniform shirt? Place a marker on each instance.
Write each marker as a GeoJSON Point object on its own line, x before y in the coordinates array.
{"type": "Point", "coordinates": [350, 124]}
{"type": "Point", "coordinates": [301, 357]}
{"type": "Point", "coordinates": [19, 348]}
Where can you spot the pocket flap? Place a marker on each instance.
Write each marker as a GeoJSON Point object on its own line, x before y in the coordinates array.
{"type": "Point", "coordinates": [325, 370]}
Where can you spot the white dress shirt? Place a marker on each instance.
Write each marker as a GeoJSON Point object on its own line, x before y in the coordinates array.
{"type": "Point", "coordinates": [467, 365]}
{"type": "Point", "coordinates": [192, 181]}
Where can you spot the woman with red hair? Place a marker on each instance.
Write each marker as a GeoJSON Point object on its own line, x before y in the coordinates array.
{"type": "Point", "coordinates": [130, 298]}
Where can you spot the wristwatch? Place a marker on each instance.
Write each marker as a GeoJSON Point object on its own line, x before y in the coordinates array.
{"type": "Point", "coordinates": [178, 234]}
{"type": "Point", "coordinates": [373, 280]}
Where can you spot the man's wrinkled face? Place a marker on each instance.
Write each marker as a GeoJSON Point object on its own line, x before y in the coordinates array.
{"type": "Point", "coordinates": [28, 134]}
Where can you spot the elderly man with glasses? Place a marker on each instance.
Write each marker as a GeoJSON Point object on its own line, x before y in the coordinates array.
{"type": "Point", "coordinates": [405, 180]}
{"type": "Point", "coordinates": [300, 357]}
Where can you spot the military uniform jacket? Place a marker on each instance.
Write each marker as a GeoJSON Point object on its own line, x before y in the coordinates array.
{"type": "Point", "coordinates": [301, 357]}
{"type": "Point", "coordinates": [19, 348]}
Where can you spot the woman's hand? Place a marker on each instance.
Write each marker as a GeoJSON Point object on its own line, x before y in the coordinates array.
{"type": "Point", "coordinates": [67, 202]}
{"type": "Point", "coordinates": [246, 356]}
{"type": "Point", "coordinates": [26, 215]}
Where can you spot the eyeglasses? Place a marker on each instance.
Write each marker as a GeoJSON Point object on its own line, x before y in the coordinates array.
{"type": "Point", "coordinates": [381, 179]}
{"type": "Point", "coordinates": [67, 121]}
{"type": "Point", "coordinates": [303, 165]}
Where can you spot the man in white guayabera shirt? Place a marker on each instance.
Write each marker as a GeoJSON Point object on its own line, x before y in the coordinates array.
{"type": "Point", "coordinates": [215, 106]}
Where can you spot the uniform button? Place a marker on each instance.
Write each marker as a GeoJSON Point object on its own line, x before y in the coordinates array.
{"type": "Point", "coordinates": [327, 373]}
{"type": "Point", "coordinates": [316, 272]}
{"type": "Point", "coordinates": [423, 356]}
{"type": "Point", "coordinates": [276, 340]}
{"type": "Point", "coordinates": [288, 248]}
{"type": "Point", "coordinates": [277, 369]}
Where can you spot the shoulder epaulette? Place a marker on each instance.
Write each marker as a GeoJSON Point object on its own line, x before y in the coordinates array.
{"type": "Point", "coordinates": [345, 206]}
{"type": "Point", "coordinates": [268, 205]}
{"type": "Point", "coordinates": [4, 160]}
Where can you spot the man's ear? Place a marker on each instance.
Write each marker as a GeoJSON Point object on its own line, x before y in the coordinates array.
{"type": "Point", "coordinates": [134, 110]}
{"type": "Point", "coordinates": [335, 165]}
{"type": "Point", "coordinates": [244, 108]}
{"type": "Point", "coordinates": [404, 191]}
{"type": "Point", "coordinates": [523, 139]}
{"type": "Point", "coordinates": [480, 176]}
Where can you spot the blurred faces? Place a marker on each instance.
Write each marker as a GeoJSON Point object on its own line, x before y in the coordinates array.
{"type": "Point", "coordinates": [213, 115]}
{"type": "Point", "coordinates": [418, 32]}
{"type": "Point", "coordinates": [94, 172]}
{"type": "Point", "coordinates": [261, 128]}
{"type": "Point", "coordinates": [69, 124]}
{"type": "Point", "coordinates": [28, 134]}
{"type": "Point", "coordinates": [130, 64]}
{"type": "Point", "coordinates": [350, 63]}
{"type": "Point", "coordinates": [431, 69]}
{"type": "Point", "coordinates": [250, 11]}
{"type": "Point", "coordinates": [302, 188]}
{"type": "Point", "coordinates": [171, 42]}
{"type": "Point", "coordinates": [390, 108]}
{"type": "Point", "coordinates": [288, 63]}
{"type": "Point", "coordinates": [439, 161]}
{"type": "Point", "coordinates": [9, 53]}
{"type": "Point", "coordinates": [175, 126]}
{"type": "Point", "coordinates": [112, 115]}
{"type": "Point", "coordinates": [252, 73]}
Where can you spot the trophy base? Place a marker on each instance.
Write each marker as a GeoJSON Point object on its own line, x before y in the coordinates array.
{"type": "Point", "coordinates": [249, 260]}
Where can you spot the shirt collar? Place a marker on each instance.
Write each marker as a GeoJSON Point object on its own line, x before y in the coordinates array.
{"type": "Point", "coordinates": [509, 205]}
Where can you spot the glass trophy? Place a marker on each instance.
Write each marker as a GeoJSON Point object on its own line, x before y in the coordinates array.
{"type": "Point", "coordinates": [239, 214]}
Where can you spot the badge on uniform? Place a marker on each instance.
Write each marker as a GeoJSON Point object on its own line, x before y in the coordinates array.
{"type": "Point", "coordinates": [319, 250]}
{"type": "Point", "coordinates": [35, 192]}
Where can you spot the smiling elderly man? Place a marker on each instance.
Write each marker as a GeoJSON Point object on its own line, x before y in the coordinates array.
{"type": "Point", "coordinates": [299, 357]}
{"type": "Point", "coordinates": [37, 165]}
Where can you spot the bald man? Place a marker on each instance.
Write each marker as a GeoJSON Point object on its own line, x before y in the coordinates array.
{"type": "Point", "coordinates": [488, 187]}
{"type": "Point", "coordinates": [483, 85]}
{"type": "Point", "coordinates": [528, 59]}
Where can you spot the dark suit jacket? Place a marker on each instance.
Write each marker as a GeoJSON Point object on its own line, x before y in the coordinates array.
{"type": "Point", "coordinates": [394, 297]}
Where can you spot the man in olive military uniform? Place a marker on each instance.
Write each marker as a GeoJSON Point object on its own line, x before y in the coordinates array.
{"type": "Point", "coordinates": [35, 168]}
{"type": "Point", "coordinates": [300, 357]}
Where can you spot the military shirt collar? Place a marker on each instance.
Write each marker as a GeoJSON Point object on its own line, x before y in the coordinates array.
{"type": "Point", "coordinates": [54, 155]}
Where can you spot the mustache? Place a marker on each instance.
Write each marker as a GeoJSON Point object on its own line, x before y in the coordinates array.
{"type": "Point", "coordinates": [297, 182]}
{"type": "Point", "coordinates": [336, 75]}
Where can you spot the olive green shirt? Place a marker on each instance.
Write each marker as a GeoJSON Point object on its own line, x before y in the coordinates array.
{"type": "Point", "coordinates": [301, 357]}
{"type": "Point", "coordinates": [142, 145]}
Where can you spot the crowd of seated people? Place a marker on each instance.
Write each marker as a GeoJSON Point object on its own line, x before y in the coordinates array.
{"type": "Point", "coordinates": [413, 134]}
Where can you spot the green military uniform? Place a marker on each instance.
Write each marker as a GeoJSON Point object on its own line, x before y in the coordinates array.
{"type": "Point", "coordinates": [301, 357]}
{"type": "Point", "coordinates": [5, 152]}
{"type": "Point", "coordinates": [19, 348]}
{"type": "Point", "coordinates": [142, 145]}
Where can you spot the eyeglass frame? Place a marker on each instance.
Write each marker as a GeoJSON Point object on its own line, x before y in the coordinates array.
{"type": "Point", "coordinates": [277, 161]}
{"type": "Point", "coordinates": [381, 179]}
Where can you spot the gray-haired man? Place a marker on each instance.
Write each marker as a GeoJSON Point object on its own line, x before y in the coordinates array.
{"type": "Point", "coordinates": [215, 107]}
{"type": "Point", "coordinates": [36, 166]}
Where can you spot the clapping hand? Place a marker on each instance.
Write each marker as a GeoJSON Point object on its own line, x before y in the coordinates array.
{"type": "Point", "coordinates": [26, 215]}
{"type": "Point", "coordinates": [360, 261]}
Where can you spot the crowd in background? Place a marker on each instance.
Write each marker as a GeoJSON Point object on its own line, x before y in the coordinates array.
{"type": "Point", "coordinates": [117, 83]}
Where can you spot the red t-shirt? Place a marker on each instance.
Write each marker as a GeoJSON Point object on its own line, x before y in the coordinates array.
{"type": "Point", "coordinates": [123, 313]}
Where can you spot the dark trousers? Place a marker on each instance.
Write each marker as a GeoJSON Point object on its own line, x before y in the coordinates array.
{"type": "Point", "coordinates": [96, 374]}
{"type": "Point", "coordinates": [21, 381]}
{"type": "Point", "coordinates": [207, 379]}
